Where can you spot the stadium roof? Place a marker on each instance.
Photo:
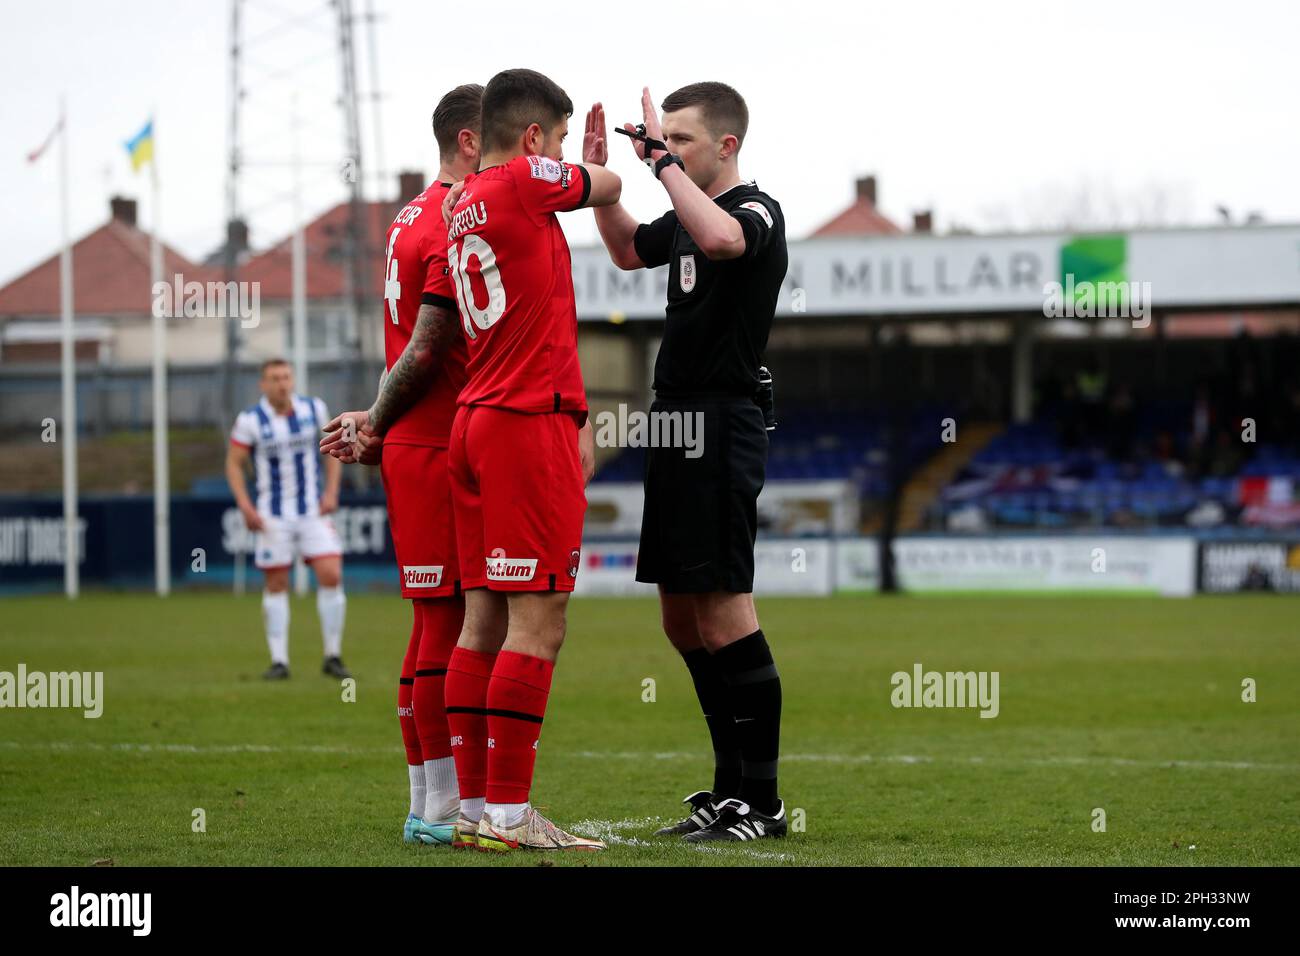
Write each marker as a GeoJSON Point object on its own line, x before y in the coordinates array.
{"type": "Point", "coordinates": [110, 272]}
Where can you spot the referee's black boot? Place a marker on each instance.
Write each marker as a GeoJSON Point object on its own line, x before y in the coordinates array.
{"type": "Point", "coordinates": [738, 821]}
{"type": "Point", "coordinates": [703, 812]}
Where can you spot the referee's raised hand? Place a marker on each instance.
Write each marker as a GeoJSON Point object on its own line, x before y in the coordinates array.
{"type": "Point", "coordinates": [652, 128]}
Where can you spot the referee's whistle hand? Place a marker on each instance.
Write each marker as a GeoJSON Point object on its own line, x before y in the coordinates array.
{"type": "Point", "coordinates": [651, 119]}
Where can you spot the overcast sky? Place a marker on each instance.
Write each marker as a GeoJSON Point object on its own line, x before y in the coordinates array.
{"type": "Point", "coordinates": [995, 114]}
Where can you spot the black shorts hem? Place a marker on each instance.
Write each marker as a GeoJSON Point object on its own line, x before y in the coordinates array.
{"type": "Point", "coordinates": [700, 518]}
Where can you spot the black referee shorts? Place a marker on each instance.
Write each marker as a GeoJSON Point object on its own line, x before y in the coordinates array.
{"type": "Point", "coordinates": [701, 514]}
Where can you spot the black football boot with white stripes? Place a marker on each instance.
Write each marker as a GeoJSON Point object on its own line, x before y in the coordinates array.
{"type": "Point", "coordinates": [738, 821]}
{"type": "Point", "coordinates": [703, 812]}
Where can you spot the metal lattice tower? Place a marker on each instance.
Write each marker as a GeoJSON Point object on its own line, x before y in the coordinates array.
{"type": "Point", "coordinates": [293, 67]}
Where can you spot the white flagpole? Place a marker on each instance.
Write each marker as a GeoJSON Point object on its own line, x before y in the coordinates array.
{"type": "Point", "coordinates": [71, 536]}
{"type": "Point", "coordinates": [299, 264]}
{"type": "Point", "coordinates": [161, 478]}
{"type": "Point", "coordinates": [299, 301]}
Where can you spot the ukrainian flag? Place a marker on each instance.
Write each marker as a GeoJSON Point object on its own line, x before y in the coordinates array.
{"type": "Point", "coordinates": [140, 147]}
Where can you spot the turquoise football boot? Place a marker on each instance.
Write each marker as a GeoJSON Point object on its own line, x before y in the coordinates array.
{"type": "Point", "coordinates": [440, 833]}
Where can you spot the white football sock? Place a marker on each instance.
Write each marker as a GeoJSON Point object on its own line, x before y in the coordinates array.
{"type": "Point", "coordinates": [442, 794]}
{"type": "Point", "coordinates": [471, 808]}
{"type": "Point", "coordinates": [416, 773]}
{"type": "Point", "coordinates": [502, 815]}
{"type": "Point", "coordinates": [275, 618]}
{"type": "Point", "coordinates": [330, 605]}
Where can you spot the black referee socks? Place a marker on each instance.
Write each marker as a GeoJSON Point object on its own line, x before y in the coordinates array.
{"type": "Point", "coordinates": [755, 692]}
{"type": "Point", "coordinates": [715, 702]}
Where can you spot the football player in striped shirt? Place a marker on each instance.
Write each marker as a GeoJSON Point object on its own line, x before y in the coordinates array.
{"type": "Point", "coordinates": [290, 515]}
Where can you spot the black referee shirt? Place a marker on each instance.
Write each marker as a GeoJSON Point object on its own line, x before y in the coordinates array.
{"type": "Point", "coordinates": [719, 313]}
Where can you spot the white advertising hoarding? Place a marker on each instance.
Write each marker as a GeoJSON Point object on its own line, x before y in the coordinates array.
{"type": "Point", "coordinates": [784, 507]}
{"type": "Point", "coordinates": [818, 566]}
{"type": "Point", "coordinates": [1150, 565]}
{"type": "Point", "coordinates": [923, 274]}
{"type": "Point", "coordinates": [782, 567]}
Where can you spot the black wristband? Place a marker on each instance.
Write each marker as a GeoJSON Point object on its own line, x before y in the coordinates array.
{"type": "Point", "coordinates": [671, 159]}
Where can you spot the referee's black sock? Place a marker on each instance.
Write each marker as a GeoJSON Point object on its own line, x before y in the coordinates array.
{"type": "Point", "coordinates": [715, 702]}
{"type": "Point", "coordinates": [755, 690]}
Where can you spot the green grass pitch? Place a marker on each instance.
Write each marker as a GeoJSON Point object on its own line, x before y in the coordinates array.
{"type": "Point", "coordinates": [1131, 705]}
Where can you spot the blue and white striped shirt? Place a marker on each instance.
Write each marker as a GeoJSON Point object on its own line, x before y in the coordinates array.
{"type": "Point", "coordinates": [286, 456]}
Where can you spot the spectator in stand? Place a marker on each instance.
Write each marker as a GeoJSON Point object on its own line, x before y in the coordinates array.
{"type": "Point", "coordinates": [1090, 384]}
{"type": "Point", "coordinates": [1122, 425]}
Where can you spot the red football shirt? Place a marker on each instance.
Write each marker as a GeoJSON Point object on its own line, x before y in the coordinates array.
{"type": "Point", "coordinates": [415, 272]}
{"type": "Point", "coordinates": [509, 262]}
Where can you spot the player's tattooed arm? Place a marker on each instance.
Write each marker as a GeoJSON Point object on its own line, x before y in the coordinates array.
{"type": "Point", "coordinates": [417, 366]}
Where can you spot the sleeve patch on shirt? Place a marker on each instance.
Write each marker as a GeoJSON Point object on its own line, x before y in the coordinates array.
{"type": "Point", "coordinates": [547, 170]}
{"type": "Point", "coordinates": [759, 208]}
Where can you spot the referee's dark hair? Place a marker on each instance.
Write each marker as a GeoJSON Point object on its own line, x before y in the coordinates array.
{"type": "Point", "coordinates": [722, 109]}
{"type": "Point", "coordinates": [460, 109]}
{"type": "Point", "coordinates": [514, 100]}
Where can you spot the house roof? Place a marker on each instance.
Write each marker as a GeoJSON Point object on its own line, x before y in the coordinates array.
{"type": "Point", "coordinates": [862, 218]}
{"type": "Point", "coordinates": [110, 276]}
{"type": "Point", "coordinates": [325, 238]}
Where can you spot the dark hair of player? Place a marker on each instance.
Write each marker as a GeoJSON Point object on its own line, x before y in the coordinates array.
{"type": "Point", "coordinates": [460, 109]}
{"type": "Point", "coordinates": [514, 100]}
{"type": "Point", "coordinates": [272, 363]}
{"type": "Point", "coordinates": [722, 109]}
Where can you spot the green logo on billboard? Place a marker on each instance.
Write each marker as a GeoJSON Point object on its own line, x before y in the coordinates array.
{"type": "Point", "coordinates": [1093, 260]}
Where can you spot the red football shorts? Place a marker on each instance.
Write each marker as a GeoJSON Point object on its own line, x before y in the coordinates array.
{"type": "Point", "coordinates": [516, 482]}
{"type": "Point", "coordinates": [420, 517]}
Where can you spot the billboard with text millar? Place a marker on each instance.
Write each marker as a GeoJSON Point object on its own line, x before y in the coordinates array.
{"type": "Point", "coordinates": [921, 274]}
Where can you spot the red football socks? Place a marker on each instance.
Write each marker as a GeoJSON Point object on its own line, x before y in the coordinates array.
{"type": "Point", "coordinates": [440, 623]}
{"type": "Point", "coordinates": [516, 704]}
{"type": "Point", "coordinates": [466, 691]}
{"type": "Point", "coordinates": [405, 692]}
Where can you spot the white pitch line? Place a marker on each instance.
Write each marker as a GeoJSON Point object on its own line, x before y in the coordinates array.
{"type": "Point", "coordinates": [973, 760]}
{"type": "Point", "coordinates": [611, 831]}
{"type": "Point", "coordinates": [74, 745]}
{"type": "Point", "coordinates": [835, 758]}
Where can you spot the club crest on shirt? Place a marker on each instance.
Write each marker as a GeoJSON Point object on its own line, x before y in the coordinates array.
{"type": "Point", "coordinates": [686, 272]}
{"type": "Point", "coordinates": [547, 170]}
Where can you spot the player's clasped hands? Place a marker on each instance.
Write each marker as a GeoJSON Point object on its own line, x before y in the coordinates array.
{"type": "Point", "coordinates": [350, 439]}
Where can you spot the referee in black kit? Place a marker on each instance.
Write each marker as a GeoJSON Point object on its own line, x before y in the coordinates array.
{"type": "Point", "coordinates": [724, 244]}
